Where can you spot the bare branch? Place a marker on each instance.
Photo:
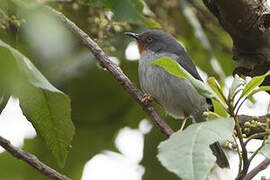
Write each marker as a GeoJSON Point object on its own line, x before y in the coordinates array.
{"type": "Point", "coordinates": [31, 160]}
{"type": "Point", "coordinates": [124, 80]}
{"type": "Point", "coordinates": [263, 165]}
{"type": "Point", "coordinates": [117, 73]}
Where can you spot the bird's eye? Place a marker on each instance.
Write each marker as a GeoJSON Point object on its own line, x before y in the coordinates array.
{"type": "Point", "coordinates": [149, 39]}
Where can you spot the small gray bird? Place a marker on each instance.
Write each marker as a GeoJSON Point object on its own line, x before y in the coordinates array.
{"type": "Point", "coordinates": [176, 95]}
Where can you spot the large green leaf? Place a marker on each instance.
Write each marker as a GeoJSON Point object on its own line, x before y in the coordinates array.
{"type": "Point", "coordinates": [47, 108]}
{"type": "Point", "coordinates": [253, 83]}
{"type": "Point", "coordinates": [188, 155]}
{"type": "Point", "coordinates": [174, 68]}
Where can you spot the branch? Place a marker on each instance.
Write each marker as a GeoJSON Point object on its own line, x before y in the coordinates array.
{"type": "Point", "coordinates": [249, 29]}
{"type": "Point", "coordinates": [31, 160]}
{"type": "Point", "coordinates": [246, 162]}
{"type": "Point", "coordinates": [124, 80]}
{"type": "Point", "coordinates": [116, 71]}
{"type": "Point", "coordinates": [263, 165]}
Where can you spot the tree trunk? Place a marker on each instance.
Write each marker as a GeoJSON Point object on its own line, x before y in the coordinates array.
{"type": "Point", "coordinates": [248, 23]}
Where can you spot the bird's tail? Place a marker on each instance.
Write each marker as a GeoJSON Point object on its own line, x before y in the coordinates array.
{"type": "Point", "coordinates": [222, 160]}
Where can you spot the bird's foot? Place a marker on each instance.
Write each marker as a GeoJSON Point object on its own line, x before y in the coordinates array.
{"type": "Point", "coordinates": [147, 99]}
{"type": "Point", "coordinates": [180, 130]}
{"type": "Point", "coordinates": [183, 124]}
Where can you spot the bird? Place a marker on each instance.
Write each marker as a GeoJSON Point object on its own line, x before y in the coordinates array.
{"type": "Point", "coordinates": [176, 95]}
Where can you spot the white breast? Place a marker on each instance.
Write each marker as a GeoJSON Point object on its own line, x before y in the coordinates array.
{"type": "Point", "coordinates": [177, 96]}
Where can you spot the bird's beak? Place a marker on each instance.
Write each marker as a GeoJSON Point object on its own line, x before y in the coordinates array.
{"type": "Point", "coordinates": [134, 35]}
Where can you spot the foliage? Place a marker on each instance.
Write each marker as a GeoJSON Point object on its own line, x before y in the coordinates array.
{"type": "Point", "coordinates": [47, 108]}
{"type": "Point", "coordinates": [188, 154]}
{"type": "Point", "coordinates": [174, 68]}
{"type": "Point", "coordinates": [191, 147]}
{"type": "Point", "coordinates": [126, 11]}
{"type": "Point", "coordinates": [93, 92]}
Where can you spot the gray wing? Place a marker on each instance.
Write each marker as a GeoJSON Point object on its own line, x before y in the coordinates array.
{"type": "Point", "coordinates": [185, 61]}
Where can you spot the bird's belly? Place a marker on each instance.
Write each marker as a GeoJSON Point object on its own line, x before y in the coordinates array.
{"type": "Point", "coordinates": [176, 95]}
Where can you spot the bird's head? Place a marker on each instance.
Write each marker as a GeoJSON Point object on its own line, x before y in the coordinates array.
{"type": "Point", "coordinates": [156, 41]}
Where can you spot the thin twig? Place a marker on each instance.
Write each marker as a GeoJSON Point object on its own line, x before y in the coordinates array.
{"type": "Point", "coordinates": [239, 154]}
{"type": "Point", "coordinates": [257, 150]}
{"type": "Point", "coordinates": [117, 73]}
{"type": "Point", "coordinates": [246, 162]}
{"type": "Point", "coordinates": [240, 105]}
{"type": "Point", "coordinates": [263, 165]}
{"type": "Point", "coordinates": [236, 92]}
{"type": "Point", "coordinates": [253, 136]}
{"type": "Point", "coordinates": [31, 160]}
{"type": "Point", "coordinates": [237, 102]}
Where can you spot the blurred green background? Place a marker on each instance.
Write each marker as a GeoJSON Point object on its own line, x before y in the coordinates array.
{"type": "Point", "coordinates": [100, 107]}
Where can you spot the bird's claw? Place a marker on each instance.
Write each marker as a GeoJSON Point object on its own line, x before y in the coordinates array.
{"type": "Point", "coordinates": [147, 99]}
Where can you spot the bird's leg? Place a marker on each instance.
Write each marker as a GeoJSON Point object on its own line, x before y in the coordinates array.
{"type": "Point", "coordinates": [183, 124]}
{"type": "Point", "coordinates": [147, 98]}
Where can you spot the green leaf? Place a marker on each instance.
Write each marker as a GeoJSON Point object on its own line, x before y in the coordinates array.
{"type": "Point", "coordinates": [253, 83]}
{"type": "Point", "coordinates": [171, 66]}
{"type": "Point", "coordinates": [175, 69]}
{"type": "Point", "coordinates": [219, 109]}
{"type": "Point", "coordinates": [125, 11]}
{"type": "Point", "coordinates": [215, 87]}
{"type": "Point", "coordinates": [96, 3]}
{"type": "Point", "coordinates": [250, 95]}
{"type": "Point", "coordinates": [188, 155]}
{"type": "Point", "coordinates": [128, 10]}
{"type": "Point", "coordinates": [151, 23]}
{"type": "Point", "coordinates": [3, 100]}
{"type": "Point", "coordinates": [47, 108]}
{"type": "Point", "coordinates": [266, 148]}
{"type": "Point", "coordinates": [251, 99]}
{"type": "Point", "coordinates": [262, 88]}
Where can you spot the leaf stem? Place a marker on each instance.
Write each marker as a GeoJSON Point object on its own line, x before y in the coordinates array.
{"type": "Point", "coordinates": [237, 111]}
{"type": "Point", "coordinates": [222, 95]}
{"type": "Point", "coordinates": [236, 92]}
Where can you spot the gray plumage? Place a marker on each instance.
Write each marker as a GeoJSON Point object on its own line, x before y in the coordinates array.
{"type": "Point", "coordinates": [163, 42]}
{"type": "Point", "coordinates": [176, 95]}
